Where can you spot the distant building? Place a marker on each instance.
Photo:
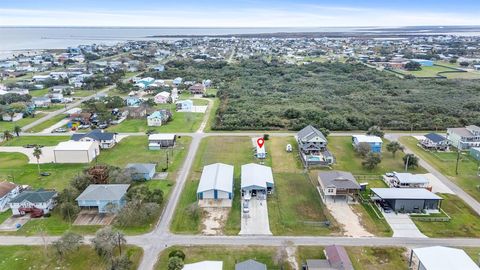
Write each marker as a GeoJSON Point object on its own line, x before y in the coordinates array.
{"type": "Point", "coordinates": [197, 89]}
{"type": "Point", "coordinates": [142, 171]}
{"type": "Point", "coordinates": [204, 265]}
{"type": "Point", "coordinates": [158, 118]}
{"type": "Point", "coordinates": [185, 105]}
{"type": "Point", "coordinates": [162, 97]}
{"type": "Point", "coordinates": [423, 62]}
{"type": "Point", "coordinates": [8, 190]}
{"type": "Point", "coordinates": [475, 153]}
{"type": "Point", "coordinates": [250, 265]}
{"type": "Point", "coordinates": [162, 140]}
{"type": "Point", "coordinates": [312, 145]}
{"type": "Point", "coordinates": [336, 258]}
{"type": "Point", "coordinates": [104, 139]}
{"type": "Point", "coordinates": [406, 180]}
{"type": "Point", "coordinates": [407, 199]}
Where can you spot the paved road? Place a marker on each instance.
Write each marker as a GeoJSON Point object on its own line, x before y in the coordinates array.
{"type": "Point", "coordinates": [474, 204]}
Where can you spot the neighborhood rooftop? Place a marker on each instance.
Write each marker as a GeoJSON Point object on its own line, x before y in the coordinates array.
{"type": "Point", "coordinates": [444, 258]}
{"type": "Point", "coordinates": [38, 196]}
{"type": "Point", "coordinates": [408, 178]}
{"type": "Point", "coordinates": [161, 136]}
{"type": "Point", "coordinates": [73, 145]}
{"type": "Point", "coordinates": [405, 193]}
{"type": "Point", "coordinates": [368, 138]}
{"type": "Point", "coordinates": [216, 176]}
{"type": "Point", "coordinates": [338, 179]}
{"type": "Point", "coordinates": [96, 134]}
{"type": "Point", "coordinates": [256, 175]}
{"type": "Point", "coordinates": [310, 132]}
{"type": "Point", "coordinates": [104, 192]}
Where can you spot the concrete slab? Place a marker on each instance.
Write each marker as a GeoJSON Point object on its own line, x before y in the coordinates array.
{"type": "Point", "coordinates": [256, 221]}
{"type": "Point", "coordinates": [402, 225]}
{"type": "Point", "coordinates": [46, 157]}
{"type": "Point", "coordinates": [10, 224]}
{"type": "Point", "coordinates": [92, 217]}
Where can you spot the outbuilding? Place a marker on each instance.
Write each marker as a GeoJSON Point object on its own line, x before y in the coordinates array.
{"type": "Point", "coordinates": [184, 105]}
{"type": "Point", "coordinates": [216, 183]}
{"type": "Point", "coordinates": [441, 258]}
{"type": "Point", "coordinates": [76, 152]}
{"type": "Point", "coordinates": [407, 199]}
{"type": "Point", "coordinates": [475, 153]}
{"type": "Point", "coordinates": [256, 179]}
{"type": "Point", "coordinates": [161, 140]}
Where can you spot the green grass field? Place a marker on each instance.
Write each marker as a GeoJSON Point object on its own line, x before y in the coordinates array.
{"type": "Point", "coordinates": [426, 71]}
{"type": "Point", "coordinates": [378, 258]}
{"type": "Point", "coordinates": [41, 140]}
{"type": "Point", "coordinates": [464, 223]}
{"type": "Point", "coordinates": [467, 177]}
{"type": "Point", "coordinates": [38, 93]}
{"type": "Point", "coordinates": [50, 122]}
{"type": "Point", "coordinates": [228, 255]}
{"type": "Point", "coordinates": [22, 122]}
{"type": "Point", "coordinates": [36, 257]}
{"type": "Point", "coordinates": [182, 122]}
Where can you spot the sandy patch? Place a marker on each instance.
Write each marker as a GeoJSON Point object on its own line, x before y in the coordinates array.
{"type": "Point", "coordinates": [291, 259]}
{"type": "Point", "coordinates": [347, 218]}
{"type": "Point", "coordinates": [214, 220]}
{"type": "Point", "coordinates": [46, 157]}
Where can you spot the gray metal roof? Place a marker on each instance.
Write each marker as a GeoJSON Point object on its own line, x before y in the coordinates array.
{"type": "Point", "coordinates": [216, 176]}
{"type": "Point", "coordinates": [338, 179]}
{"type": "Point", "coordinates": [97, 134]}
{"type": "Point", "coordinates": [319, 265]}
{"type": "Point", "coordinates": [142, 167]}
{"type": "Point", "coordinates": [408, 178]}
{"type": "Point", "coordinates": [38, 196]}
{"type": "Point", "coordinates": [112, 192]}
{"type": "Point", "coordinates": [255, 175]}
{"type": "Point", "coordinates": [444, 258]}
{"type": "Point", "coordinates": [309, 132]}
{"type": "Point", "coordinates": [405, 194]}
{"type": "Point", "coordinates": [250, 265]}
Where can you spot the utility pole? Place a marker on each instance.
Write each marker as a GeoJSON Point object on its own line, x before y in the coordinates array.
{"type": "Point", "coordinates": [458, 159]}
{"type": "Point", "coordinates": [407, 162]}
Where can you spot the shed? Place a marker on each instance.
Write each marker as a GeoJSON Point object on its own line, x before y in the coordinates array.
{"type": "Point", "coordinates": [105, 198]}
{"type": "Point", "coordinates": [407, 199]}
{"type": "Point", "coordinates": [184, 105]}
{"type": "Point", "coordinates": [441, 258]}
{"type": "Point", "coordinates": [216, 182]}
{"type": "Point", "coordinates": [142, 171]}
{"type": "Point", "coordinates": [256, 178]}
{"type": "Point", "coordinates": [76, 152]}
{"type": "Point", "coordinates": [161, 140]}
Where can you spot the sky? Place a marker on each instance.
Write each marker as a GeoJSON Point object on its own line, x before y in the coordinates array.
{"type": "Point", "coordinates": [244, 13]}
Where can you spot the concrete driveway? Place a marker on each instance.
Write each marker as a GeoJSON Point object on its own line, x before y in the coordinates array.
{"type": "Point", "coordinates": [402, 225]}
{"type": "Point", "coordinates": [256, 221]}
{"type": "Point", "coordinates": [46, 157]}
{"type": "Point", "coordinates": [59, 124]}
{"type": "Point", "coordinates": [10, 224]}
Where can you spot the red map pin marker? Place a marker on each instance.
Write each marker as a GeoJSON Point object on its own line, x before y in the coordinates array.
{"type": "Point", "coordinates": [260, 142]}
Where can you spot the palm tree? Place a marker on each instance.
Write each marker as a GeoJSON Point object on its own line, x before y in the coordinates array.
{"type": "Point", "coordinates": [17, 130]}
{"type": "Point", "coordinates": [37, 152]}
{"type": "Point", "coordinates": [7, 135]}
{"type": "Point", "coordinates": [393, 147]}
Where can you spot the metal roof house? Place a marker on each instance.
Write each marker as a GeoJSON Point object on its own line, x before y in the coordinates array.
{"type": "Point", "coordinates": [375, 142]}
{"type": "Point", "coordinates": [334, 184]}
{"type": "Point", "coordinates": [105, 139]}
{"type": "Point", "coordinates": [250, 265]}
{"type": "Point", "coordinates": [204, 265]}
{"type": "Point", "coordinates": [104, 197]}
{"type": "Point", "coordinates": [336, 258]}
{"type": "Point", "coordinates": [142, 171]}
{"type": "Point", "coordinates": [407, 180]}
{"type": "Point", "coordinates": [256, 178]}
{"type": "Point", "coordinates": [407, 199]}
{"type": "Point", "coordinates": [216, 185]}
{"type": "Point", "coordinates": [441, 258]}
{"type": "Point", "coordinates": [184, 105]}
{"type": "Point", "coordinates": [434, 141]}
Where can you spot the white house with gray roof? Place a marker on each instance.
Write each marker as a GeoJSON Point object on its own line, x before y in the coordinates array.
{"type": "Point", "coordinates": [464, 138]}
{"type": "Point", "coordinates": [105, 198]}
{"type": "Point", "coordinates": [256, 178]}
{"type": "Point", "coordinates": [334, 184]}
{"type": "Point", "coordinates": [40, 199]}
{"type": "Point", "coordinates": [216, 184]}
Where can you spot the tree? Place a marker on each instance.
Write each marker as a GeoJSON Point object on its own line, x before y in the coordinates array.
{"type": "Point", "coordinates": [393, 147]}
{"type": "Point", "coordinates": [464, 64]}
{"type": "Point", "coordinates": [410, 161]}
{"type": "Point", "coordinates": [143, 194]}
{"type": "Point", "coordinates": [67, 243]}
{"type": "Point", "coordinates": [375, 131]}
{"type": "Point", "coordinates": [371, 160]}
{"type": "Point", "coordinates": [105, 242]}
{"type": "Point", "coordinates": [7, 135]}
{"type": "Point", "coordinates": [80, 182]}
{"type": "Point", "coordinates": [177, 253]}
{"type": "Point", "coordinates": [37, 152]}
{"type": "Point", "coordinates": [121, 263]}
{"type": "Point", "coordinates": [17, 130]}
{"type": "Point", "coordinates": [136, 213]}
{"type": "Point", "coordinates": [411, 66]}
{"type": "Point", "coordinates": [69, 210]}
{"type": "Point", "coordinates": [363, 149]}
{"type": "Point", "coordinates": [175, 263]}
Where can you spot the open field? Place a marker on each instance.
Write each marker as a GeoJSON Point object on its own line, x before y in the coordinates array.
{"type": "Point", "coordinates": [426, 71]}
{"type": "Point", "coordinates": [47, 124]}
{"type": "Point", "coordinates": [212, 150]}
{"type": "Point", "coordinates": [45, 140]}
{"type": "Point", "coordinates": [212, 115]}
{"type": "Point", "coordinates": [22, 122]}
{"type": "Point", "coordinates": [181, 122]}
{"type": "Point", "coordinates": [229, 255]}
{"type": "Point", "coordinates": [36, 257]}
{"type": "Point", "coordinates": [377, 258]}
{"type": "Point", "coordinates": [467, 177]}
{"type": "Point", "coordinates": [464, 223]}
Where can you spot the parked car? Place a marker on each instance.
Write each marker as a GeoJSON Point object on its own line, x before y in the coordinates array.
{"type": "Point", "coordinates": [83, 126]}
{"type": "Point", "coordinates": [29, 146]}
{"type": "Point", "coordinates": [59, 130]}
{"type": "Point", "coordinates": [102, 126]}
{"type": "Point", "coordinates": [246, 209]}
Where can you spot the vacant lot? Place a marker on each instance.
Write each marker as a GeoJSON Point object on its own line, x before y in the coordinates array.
{"type": "Point", "coordinates": [35, 257]}
{"type": "Point", "coordinates": [234, 151]}
{"type": "Point", "coordinates": [464, 223]}
{"type": "Point", "coordinates": [181, 122]}
{"type": "Point", "coordinates": [228, 255]}
{"type": "Point", "coordinates": [467, 177]}
{"type": "Point", "coordinates": [22, 122]}
{"type": "Point", "coordinates": [376, 258]}
{"type": "Point", "coordinates": [40, 140]}
{"type": "Point", "coordinates": [40, 127]}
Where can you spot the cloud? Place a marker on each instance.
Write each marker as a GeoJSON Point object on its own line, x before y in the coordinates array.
{"type": "Point", "coordinates": [300, 15]}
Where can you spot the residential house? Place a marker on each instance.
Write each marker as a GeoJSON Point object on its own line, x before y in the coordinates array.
{"type": "Point", "coordinates": [76, 152]}
{"type": "Point", "coordinates": [40, 202]}
{"type": "Point", "coordinates": [159, 68]}
{"type": "Point", "coordinates": [158, 118]}
{"type": "Point", "coordinates": [216, 184]}
{"type": "Point", "coordinates": [441, 258]}
{"type": "Point", "coordinates": [41, 78]}
{"type": "Point", "coordinates": [177, 81]}
{"type": "Point", "coordinates": [162, 140]}
{"type": "Point", "coordinates": [8, 190]}
{"type": "Point", "coordinates": [61, 89]}
{"type": "Point", "coordinates": [133, 101]}
{"type": "Point", "coordinates": [464, 138]}
{"type": "Point", "coordinates": [142, 171]}
{"type": "Point", "coordinates": [406, 180]}
{"type": "Point", "coordinates": [204, 265]}
{"type": "Point", "coordinates": [407, 199]}
{"type": "Point", "coordinates": [104, 139]}
{"type": "Point", "coordinates": [336, 258]}
{"type": "Point", "coordinates": [256, 179]}
{"type": "Point", "coordinates": [374, 142]}
{"type": "Point", "coordinates": [184, 105]}
{"type": "Point", "coordinates": [105, 198]}
{"type": "Point", "coordinates": [334, 184]}
{"type": "Point", "coordinates": [312, 145]}
{"type": "Point", "coordinates": [162, 97]}
{"type": "Point", "coordinates": [434, 141]}
{"type": "Point", "coordinates": [41, 102]}
{"type": "Point", "coordinates": [250, 265]}
{"type": "Point", "coordinates": [207, 83]}
{"type": "Point", "coordinates": [197, 89]}
{"type": "Point", "coordinates": [7, 117]}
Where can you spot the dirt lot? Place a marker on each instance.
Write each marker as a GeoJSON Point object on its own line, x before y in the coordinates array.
{"type": "Point", "coordinates": [214, 219]}
{"type": "Point", "coordinates": [92, 217]}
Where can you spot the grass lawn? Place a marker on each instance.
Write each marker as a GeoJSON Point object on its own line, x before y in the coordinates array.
{"type": "Point", "coordinates": [22, 122]}
{"type": "Point", "coordinates": [52, 108]}
{"type": "Point", "coordinates": [467, 177]}
{"type": "Point", "coordinates": [473, 252]}
{"type": "Point", "coordinates": [464, 223]}
{"type": "Point", "coordinates": [378, 258]}
{"type": "Point", "coordinates": [181, 122]}
{"type": "Point", "coordinates": [36, 257]}
{"type": "Point", "coordinates": [84, 93]}
{"type": "Point", "coordinates": [200, 102]}
{"type": "Point", "coordinates": [234, 151]}
{"type": "Point", "coordinates": [229, 255]}
{"type": "Point", "coordinates": [471, 75]}
{"type": "Point", "coordinates": [212, 115]}
{"type": "Point", "coordinates": [50, 122]}
{"type": "Point", "coordinates": [38, 93]}
{"type": "Point", "coordinates": [426, 71]}
{"type": "Point", "coordinates": [41, 140]}
{"type": "Point", "coordinates": [348, 160]}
